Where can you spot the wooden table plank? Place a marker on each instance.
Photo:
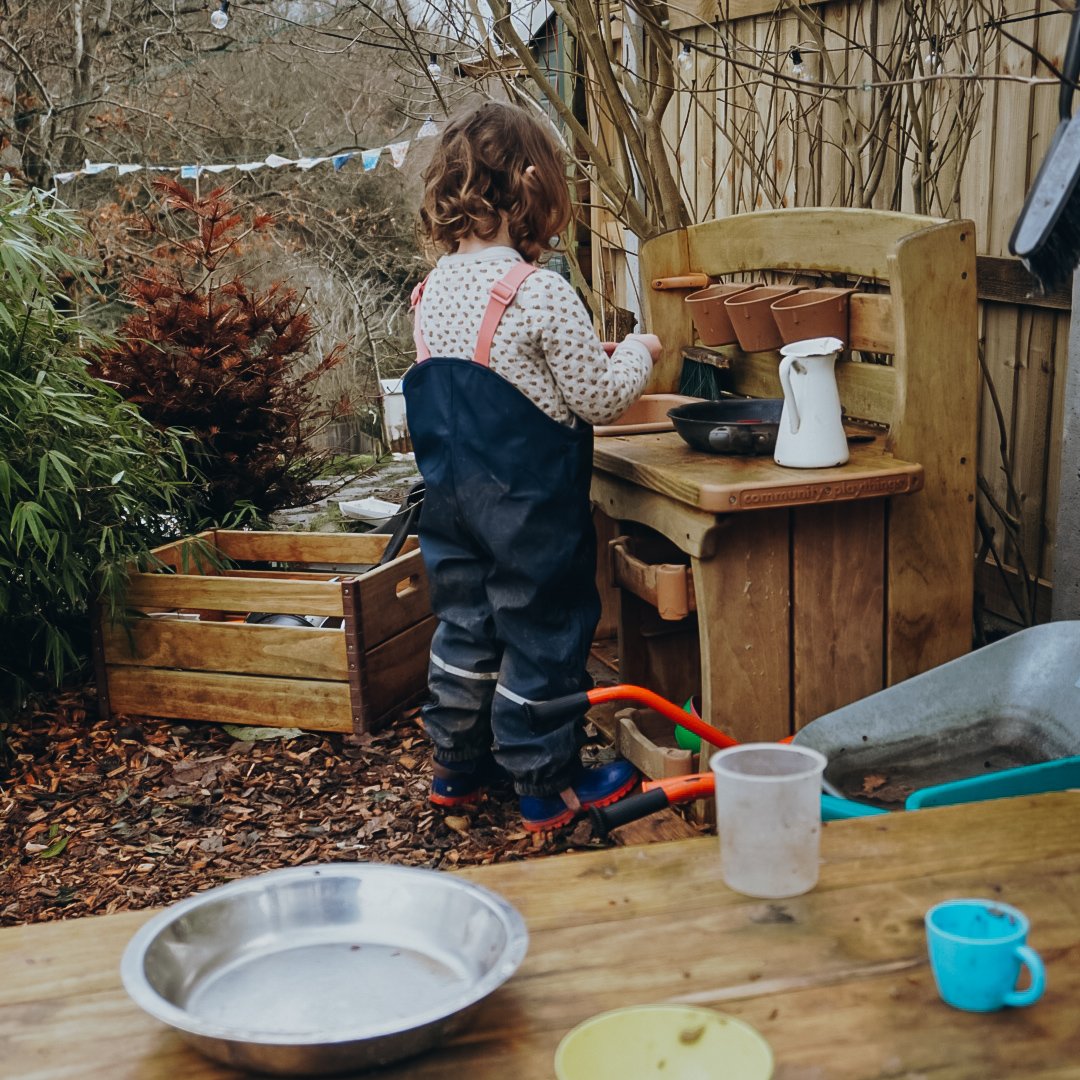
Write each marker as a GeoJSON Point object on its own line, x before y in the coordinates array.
{"type": "Point", "coordinates": [836, 980]}
{"type": "Point", "coordinates": [721, 483]}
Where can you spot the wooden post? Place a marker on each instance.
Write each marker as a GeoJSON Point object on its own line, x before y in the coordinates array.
{"type": "Point", "coordinates": [354, 651]}
{"type": "Point", "coordinates": [931, 536]}
{"type": "Point", "coordinates": [97, 653]}
{"type": "Point", "coordinates": [666, 314]}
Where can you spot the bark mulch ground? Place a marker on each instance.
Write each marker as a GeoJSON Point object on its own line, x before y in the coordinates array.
{"type": "Point", "coordinates": [104, 816]}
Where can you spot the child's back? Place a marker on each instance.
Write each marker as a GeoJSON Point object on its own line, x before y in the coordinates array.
{"type": "Point", "coordinates": [508, 367]}
{"type": "Point", "coordinates": [544, 345]}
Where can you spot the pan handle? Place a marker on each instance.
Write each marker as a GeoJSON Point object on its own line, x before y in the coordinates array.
{"type": "Point", "coordinates": [403, 521]}
{"type": "Point", "coordinates": [564, 708]}
{"type": "Point", "coordinates": [632, 808]}
{"type": "Point", "coordinates": [681, 281]}
{"type": "Point", "coordinates": [721, 440]}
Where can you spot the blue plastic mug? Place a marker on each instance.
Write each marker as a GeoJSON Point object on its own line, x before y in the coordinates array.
{"type": "Point", "coordinates": [977, 948]}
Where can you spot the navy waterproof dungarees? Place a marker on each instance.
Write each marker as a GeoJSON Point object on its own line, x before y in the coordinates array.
{"type": "Point", "coordinates": [507, 539]}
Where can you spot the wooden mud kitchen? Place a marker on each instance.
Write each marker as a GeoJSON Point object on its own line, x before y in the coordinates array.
{"type": "Point", "coordinates": [786, 593]}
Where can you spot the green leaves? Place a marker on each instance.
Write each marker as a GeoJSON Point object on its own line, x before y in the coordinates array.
{"type": "Point", "coordinates": [56, 843]}
{"type": "Point", "coordinates": [86, 484]}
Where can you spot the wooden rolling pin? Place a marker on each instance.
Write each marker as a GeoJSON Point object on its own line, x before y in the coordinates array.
{"type": "Point", "coordinates": [682, 281]}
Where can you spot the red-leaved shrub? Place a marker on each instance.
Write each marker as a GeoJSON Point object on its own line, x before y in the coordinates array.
{"type": "Point", "coordinates": [206, 352]}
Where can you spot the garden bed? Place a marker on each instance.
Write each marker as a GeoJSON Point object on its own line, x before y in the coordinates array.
{"type": "Point", "coordinates": [105, 816]}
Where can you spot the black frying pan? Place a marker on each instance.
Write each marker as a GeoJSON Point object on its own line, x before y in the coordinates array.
{"type": "Point", "coordinates": [734, 426]}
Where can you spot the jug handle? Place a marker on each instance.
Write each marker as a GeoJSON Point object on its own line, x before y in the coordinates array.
{"type": "Point", "coordinates": [789, 395]}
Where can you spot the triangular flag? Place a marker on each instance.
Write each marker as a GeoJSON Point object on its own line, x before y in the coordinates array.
{"type": "Point", "coordinates": [66, 177]}
{"type": "Point", "coordinates": [123, 170]}
{"type": "Point", "coordinates": [251, 166]}
{"type": "Point", "coordinates": [370, 158]}
{"type": "Point", "coordinates": [428, 129]}
{"type": "Point", "coordinates": [398, 151]}
{"type": "Point", "coordinates": [306, 163]}
{"type": "Point", "coordinates": [340, 160]}
{"type": "Point", "coordinates": [218, 168]}
{"type": "Point", "coordinates": [275, 161]}
{"type": "Point", "coordinates": [93, 168]}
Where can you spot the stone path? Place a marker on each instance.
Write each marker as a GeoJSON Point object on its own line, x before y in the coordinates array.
{"type": "Point", "coordinates": [388, 480]}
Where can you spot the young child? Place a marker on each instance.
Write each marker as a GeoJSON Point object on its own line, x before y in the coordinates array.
{"type": "Point", "coordinates": [508, 378]}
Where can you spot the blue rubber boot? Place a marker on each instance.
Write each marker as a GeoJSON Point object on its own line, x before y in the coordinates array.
{"type": "Point", "coordinates": [465, 783]}
{"type": "Point", "coordinates": [597, 785]}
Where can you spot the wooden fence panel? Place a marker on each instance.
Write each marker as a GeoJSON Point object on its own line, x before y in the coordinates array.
{"type": "Point", "coordinates": [743, 142]}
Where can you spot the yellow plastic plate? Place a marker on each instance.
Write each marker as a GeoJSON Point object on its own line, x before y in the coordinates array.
{"type": "Point", "coordinates": [675, 1042]}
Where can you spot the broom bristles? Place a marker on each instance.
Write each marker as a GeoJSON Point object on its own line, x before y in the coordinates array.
{"type": "Point", "coordinates": [1046, 236]}
{"type": "Point", "coordinates": [1053, 263]}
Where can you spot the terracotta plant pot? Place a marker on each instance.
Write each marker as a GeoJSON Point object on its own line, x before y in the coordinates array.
{"type": "Point", "coordinates": [813, 313]}
{"type": "Point", "coordinates": [711, 320]}
{"type": "Point", "coordinates": [752, 317]}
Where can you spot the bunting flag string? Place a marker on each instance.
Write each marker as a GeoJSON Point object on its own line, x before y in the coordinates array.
{"type": "Point", "coordinates": [369, 159]}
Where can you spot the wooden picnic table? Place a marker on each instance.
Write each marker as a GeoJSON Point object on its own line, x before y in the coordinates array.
{"type": "Point", "coordinates": [837, 980]}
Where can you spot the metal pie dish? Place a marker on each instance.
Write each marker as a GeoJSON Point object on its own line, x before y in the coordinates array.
{"type": "Point", "coordinates": [324, 969]}
{"type": "Point", "coordinates": [732, 426]}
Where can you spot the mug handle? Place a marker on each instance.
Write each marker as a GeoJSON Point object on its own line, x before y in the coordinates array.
{"type": "Point", "coordinates": [789, 395]}
{"type": "Point", "coordinates": [1033, 962]}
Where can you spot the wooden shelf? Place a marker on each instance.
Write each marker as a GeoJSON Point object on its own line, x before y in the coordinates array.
{"type": "Point", "coordinates": [717, 483]}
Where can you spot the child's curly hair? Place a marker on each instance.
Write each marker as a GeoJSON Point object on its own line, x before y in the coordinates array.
{"type": "Point", "coordinates": [479, 170]}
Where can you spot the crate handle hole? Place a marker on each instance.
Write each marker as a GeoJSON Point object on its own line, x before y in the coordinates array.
{"type": "Point", "coordinates": [407, 586]}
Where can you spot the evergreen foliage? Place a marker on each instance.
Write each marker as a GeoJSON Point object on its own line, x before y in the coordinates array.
{"type": "Point", "coordinates": [206, 351]}
{"type": "Point", "coordinates": [86, 484]}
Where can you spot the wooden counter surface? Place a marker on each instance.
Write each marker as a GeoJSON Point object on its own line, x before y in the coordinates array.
{"type": "Point", "coordinates": [722, 483]}
{"type": "Point", "coordinates": [837, 980]}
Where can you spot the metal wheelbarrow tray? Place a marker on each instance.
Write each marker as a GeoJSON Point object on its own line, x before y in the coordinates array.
{"type": "Point", "coordinates": [1013, 703]}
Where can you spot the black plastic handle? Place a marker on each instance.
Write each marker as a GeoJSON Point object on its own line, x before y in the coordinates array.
{"type": "Point", "coordinates": [722, 440]}
{"type": "Point", "coordinates": [563, 708]}
{"type": "Point", "coordinates": [606, 818]}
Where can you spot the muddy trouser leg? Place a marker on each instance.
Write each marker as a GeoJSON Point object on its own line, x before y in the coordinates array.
{"type": "Point", "coordinates": [465, 656]}
{"type": "Point", "coordinates": [546, 609]}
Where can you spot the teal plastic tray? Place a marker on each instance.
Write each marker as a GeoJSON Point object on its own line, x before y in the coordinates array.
{"type": "Point", "coordinates": [834, 808]}
{"type": "Point", "coordinates": [1025, 780]}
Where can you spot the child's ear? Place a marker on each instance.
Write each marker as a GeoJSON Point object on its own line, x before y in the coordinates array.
{"type": "Point", "coordinates": [530, 171]}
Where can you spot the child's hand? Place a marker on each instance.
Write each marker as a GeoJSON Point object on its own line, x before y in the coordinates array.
{"type": "Point", "coordinates": [650, 341]}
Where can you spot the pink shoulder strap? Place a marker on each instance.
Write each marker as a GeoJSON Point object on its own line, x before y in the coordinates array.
{"type": "Point", "coordinates": [502, 296]}
{"type": "Point", "coordinates": [422, 351]}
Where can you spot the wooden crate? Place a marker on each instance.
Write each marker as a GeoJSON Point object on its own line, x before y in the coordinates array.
{"type": "Point", "coordinates": [217, 667]}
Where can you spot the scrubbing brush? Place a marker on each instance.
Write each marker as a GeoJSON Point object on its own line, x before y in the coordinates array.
{"type": "Point", "coordinates": [1046, 236]}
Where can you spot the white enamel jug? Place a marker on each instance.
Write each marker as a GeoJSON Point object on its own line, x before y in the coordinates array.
{"type": "Point", "coordinates": [811, 434]}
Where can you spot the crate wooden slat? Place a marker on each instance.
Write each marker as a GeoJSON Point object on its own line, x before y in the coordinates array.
{"type": "Point", "coordinates": [303, 547]}
{"type": "Point", "coordinates": [352, 677]}
{"type": "Point", "coordinates": [161, 592]}
{"type": "Point", "coordinates": [237, 648]}
{"type": "Point", "coordinates": [310, 704]}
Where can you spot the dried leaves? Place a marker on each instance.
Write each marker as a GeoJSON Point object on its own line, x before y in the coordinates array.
{"type": "Point", "coordinates": [107, 816]}
{"type": "Point", "coordinates": [882, 791]}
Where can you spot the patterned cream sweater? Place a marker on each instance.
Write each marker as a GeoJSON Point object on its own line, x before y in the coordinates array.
{"type": "Point", "coordinates": [545, 344]}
